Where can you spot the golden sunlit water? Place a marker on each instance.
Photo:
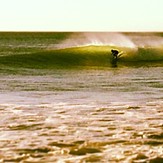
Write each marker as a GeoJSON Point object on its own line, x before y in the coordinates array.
{"type": "Point", "coordinates": [62, 100]}
{"type": "Point", "coordinates": [108, 115]}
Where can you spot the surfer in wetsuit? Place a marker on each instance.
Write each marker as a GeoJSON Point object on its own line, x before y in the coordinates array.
{"type": "Point", "coordinates": [115, 56]}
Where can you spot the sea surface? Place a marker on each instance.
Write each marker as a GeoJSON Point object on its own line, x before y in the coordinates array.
{"type": "Point", "coordinates": [63, 100]}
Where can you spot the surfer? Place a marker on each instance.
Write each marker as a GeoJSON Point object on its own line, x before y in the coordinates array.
{"type": "Point", "coordinates": [115, 56]}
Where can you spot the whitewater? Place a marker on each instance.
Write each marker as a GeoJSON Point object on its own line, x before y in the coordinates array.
{"type": "Point", "coordinates": [62, 100]}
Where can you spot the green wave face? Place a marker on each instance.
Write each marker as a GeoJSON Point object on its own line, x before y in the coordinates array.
{"type": "Point", "coordinates": [99, 56]}
{"type": "Point", "coordinates": [80, 49]}
{"type": "Point", "coordinates": [80, 56]}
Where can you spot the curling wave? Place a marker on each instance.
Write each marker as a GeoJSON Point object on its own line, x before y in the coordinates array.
{"type": "Point", "coordinates": [99, 56]}
{"type": "Point", "coordinates": [84, 56]}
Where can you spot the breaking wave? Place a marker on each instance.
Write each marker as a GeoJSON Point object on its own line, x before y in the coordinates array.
{"type": "Point", "coordinates": [51, 50]}
{"type": "Point", "coordinates": [85, 56]}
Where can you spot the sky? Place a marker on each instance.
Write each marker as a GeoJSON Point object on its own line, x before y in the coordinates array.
{"type": "Point", "coordinates": [81, 15]}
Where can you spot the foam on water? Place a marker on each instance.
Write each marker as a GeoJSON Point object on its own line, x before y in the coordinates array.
{"type": "Point", "coordinates": [60, 132]}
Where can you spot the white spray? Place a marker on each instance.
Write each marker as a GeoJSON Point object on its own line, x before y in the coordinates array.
{"type": "Point", "coordinates": [95, 38]}
{"type": "Point", "coordinates": [130, 40]}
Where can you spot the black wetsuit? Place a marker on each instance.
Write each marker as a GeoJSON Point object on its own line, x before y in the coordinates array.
{"type": "Point", "coordinates": [114, 58]}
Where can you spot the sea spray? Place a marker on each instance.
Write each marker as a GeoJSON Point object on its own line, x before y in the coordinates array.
{"type": "Point", "coordinates": [146, 39]}
{"type": "Point", "coordinates": [111, 39]}
{"type": "Point", "coordinates": [95, 38]}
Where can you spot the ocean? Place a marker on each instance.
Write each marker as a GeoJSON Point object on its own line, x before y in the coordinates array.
{"type": "Point", "coordinates": [64, 100]}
